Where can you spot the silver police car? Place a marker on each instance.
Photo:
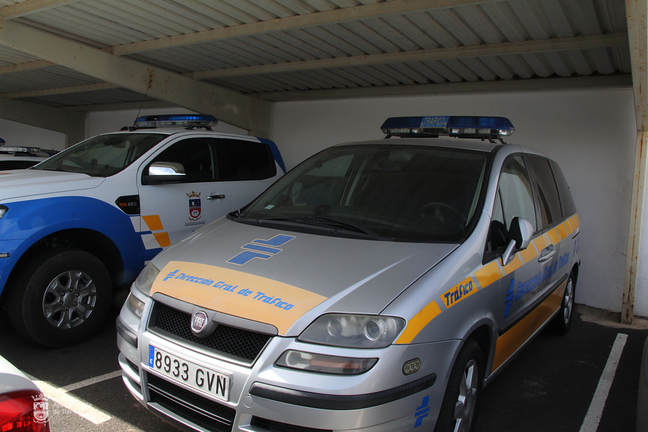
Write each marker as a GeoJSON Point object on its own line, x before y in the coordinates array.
{"type": "Point", "coordinates": [378, 286]}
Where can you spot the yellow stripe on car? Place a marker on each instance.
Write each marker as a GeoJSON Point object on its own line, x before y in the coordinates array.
{"type": "Point", "coordinates": [153, 222]}
{"type": "Point", "coordinates": [418, 322]}
{"type": "Point", "coordinates": [236, 293]}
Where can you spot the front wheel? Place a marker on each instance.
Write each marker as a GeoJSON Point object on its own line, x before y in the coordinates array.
{"type": "Point", "coordinates": [459, 407]}
{"type": "Point", "coordinates": [62, 297]}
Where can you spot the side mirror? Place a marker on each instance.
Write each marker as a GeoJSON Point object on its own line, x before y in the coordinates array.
{"type": "Point", "coordinates": [164, 172]}
{"type": "Point", "coordinates": [520, 235]}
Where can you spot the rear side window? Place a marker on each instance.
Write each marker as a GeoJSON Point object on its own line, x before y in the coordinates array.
{"type": "Point", "coordinates": [548, 200]}
{"type": "Point", "coordinates": [568, 205]}
{"type": "Point", "coordinates": [244, 160]}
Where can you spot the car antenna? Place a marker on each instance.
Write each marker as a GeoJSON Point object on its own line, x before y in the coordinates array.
{"type": "Point", "coordinates": [133, 128]}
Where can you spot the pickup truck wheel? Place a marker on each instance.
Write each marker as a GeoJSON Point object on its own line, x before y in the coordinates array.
{"type": "Point", "coordinates": [63, 297]}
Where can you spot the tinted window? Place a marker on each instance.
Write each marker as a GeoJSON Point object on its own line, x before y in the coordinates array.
{"type": "Point", "coordinates": [244, 160]}
{"type": "Point", "coordinates": [568, 205]}
{"type": "Point", "coordinates": [196, 156]}
{"type": "Point", "coordinates": [16, 164]}
{"type": "Point", "coordinates": [547, 194]}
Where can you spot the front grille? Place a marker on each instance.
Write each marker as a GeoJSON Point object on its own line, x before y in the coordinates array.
{"type": "Point", "coordinates": [241, 345]}
{"type": "Point", "coordinates": [274, 426]}
{"type": "Point", "coordinates": [190, 406]}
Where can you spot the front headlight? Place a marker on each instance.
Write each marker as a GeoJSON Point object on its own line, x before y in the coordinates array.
{"type": "Point", "coordinates": [3, 210]}
{"type": "Point", "coordinates": [353, 331]}
{"type": "Point", "coordinates": [144, 281]}
{"type": "Point", "coordinates": [135, 305]}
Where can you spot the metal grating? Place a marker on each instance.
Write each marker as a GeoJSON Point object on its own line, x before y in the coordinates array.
{"type": "Point", "coordinates": [237, 344]}
{"type": "Point", "coordinates": [190, 406]}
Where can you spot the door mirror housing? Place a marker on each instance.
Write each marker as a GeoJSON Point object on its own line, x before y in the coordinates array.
{"type": "Point", "coordinates": [520, 234]}
{"type": "Point", "coordinates": [164, 172]}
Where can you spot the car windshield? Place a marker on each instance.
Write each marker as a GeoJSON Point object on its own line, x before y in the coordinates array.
{"type": "Point", "coordinates": [387, 192]}
{"type": "Point", "coordinates": [102, 155]}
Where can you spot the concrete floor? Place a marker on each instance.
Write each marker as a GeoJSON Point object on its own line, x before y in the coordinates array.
{"type": "Point", "coordinates": [548, 387]}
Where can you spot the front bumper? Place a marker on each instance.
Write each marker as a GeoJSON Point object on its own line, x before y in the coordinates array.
{"type": "Point", "coordinates": [263, 397]}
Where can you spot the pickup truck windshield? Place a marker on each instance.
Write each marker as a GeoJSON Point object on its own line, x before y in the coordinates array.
{"type": "Point", "coordinates": [388, 192]}
{"type": "Point", "coordinates": [102, 155]}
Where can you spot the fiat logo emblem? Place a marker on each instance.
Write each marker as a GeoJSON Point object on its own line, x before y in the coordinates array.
{"type": "Point", "coordinates": [199, 321]}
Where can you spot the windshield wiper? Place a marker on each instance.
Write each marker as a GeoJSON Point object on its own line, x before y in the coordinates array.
{"type": "Point", "coordinates": [325, 222]}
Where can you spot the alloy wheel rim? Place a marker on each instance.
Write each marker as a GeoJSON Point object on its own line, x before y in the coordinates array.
{"type": "Point", "coordinates": [69, 299]}
{"type": "Point", "coordinates": [467, 399]}
{"type": "Point", "coordinates": [569, 301]}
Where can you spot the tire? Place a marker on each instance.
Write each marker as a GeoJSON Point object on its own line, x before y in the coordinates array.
{"type": "Point", "coordinates": [562, 321]}
{"type": "Point", "coordinates": [459, 408]}
{"type": "Point", "coordinates": [62, 297]}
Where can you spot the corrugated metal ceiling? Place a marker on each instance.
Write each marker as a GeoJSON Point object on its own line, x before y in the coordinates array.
{"type": "Point", "coordinates": [288, 49]}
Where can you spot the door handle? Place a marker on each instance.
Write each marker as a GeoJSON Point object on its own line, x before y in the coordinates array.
{"type": "Point", "coordinates": [547, 253]}
{"type": "Point", "coordinates": [215, 196]}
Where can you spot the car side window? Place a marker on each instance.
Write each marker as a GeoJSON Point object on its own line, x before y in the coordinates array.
{"type": "Point", "coordinates": [515, 192]}
{"type": "Point", "coordinates": [14, 165]}
{"type": "Point", "coordinates": [566, 199]}
{"type": "Point", "coordinates": [548, 199]}
{"type": "Point", "coordinates": [514, 199]}
{"type": "Point", "coordinates": [244, 160]}
{"type": "Point", "coordinates": [196, 156]}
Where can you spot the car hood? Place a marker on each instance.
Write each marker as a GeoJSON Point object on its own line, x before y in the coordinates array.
{"type": "Point", "coordinates": [25, 183]}
{"type": "Point", "coordinates": [286, 278]}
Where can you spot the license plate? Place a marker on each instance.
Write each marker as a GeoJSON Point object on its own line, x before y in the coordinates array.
{"type": "Point", "coordinates": [197, 377]}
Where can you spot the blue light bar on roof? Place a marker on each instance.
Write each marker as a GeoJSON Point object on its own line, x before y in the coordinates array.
{"type": "Point", "coordinates": [14, 149]}
{"type": "Point", "coordinates": [454, 126]}
{"type": "Point", "coordinates": [176, 120]}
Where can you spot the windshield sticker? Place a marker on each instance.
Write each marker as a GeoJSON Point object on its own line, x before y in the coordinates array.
{"type": "Point", "coordinates": [236, 293]}
{"type": "Point", "coordinates": [262, 249]}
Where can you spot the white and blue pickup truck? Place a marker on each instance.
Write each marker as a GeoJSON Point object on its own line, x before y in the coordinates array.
{"type": "Point", "coordinates": [89, 218]}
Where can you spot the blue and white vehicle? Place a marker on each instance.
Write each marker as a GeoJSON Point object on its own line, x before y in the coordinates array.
{"type": "Point", "coordinates": [91, 216]}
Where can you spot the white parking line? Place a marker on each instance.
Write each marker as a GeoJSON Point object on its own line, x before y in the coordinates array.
{"type": "Point", "coordinates": [63, 398]}
{"type": "Point", "coordinates": [92, 381]}
{"type": "Point", "coordinates": [593, 416]}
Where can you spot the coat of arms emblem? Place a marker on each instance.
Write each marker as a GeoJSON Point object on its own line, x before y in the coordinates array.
{"type": "Point", "coordinates": [41, 411]}
{"type": "Point", "coordinates": [195, 209]}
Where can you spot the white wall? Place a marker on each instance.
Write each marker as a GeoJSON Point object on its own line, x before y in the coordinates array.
{"type": "Point", "coordinates": [18, 134]}
{"type": "Point", "coordinates": [590, 133]}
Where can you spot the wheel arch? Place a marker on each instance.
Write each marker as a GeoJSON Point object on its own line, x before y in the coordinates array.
{"type": "Point", "coordinates": [574, 271]}
{"type": "Point", "coordinates": [483, 335]}
{"type": "Point", "coordinates": [88, 240]}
